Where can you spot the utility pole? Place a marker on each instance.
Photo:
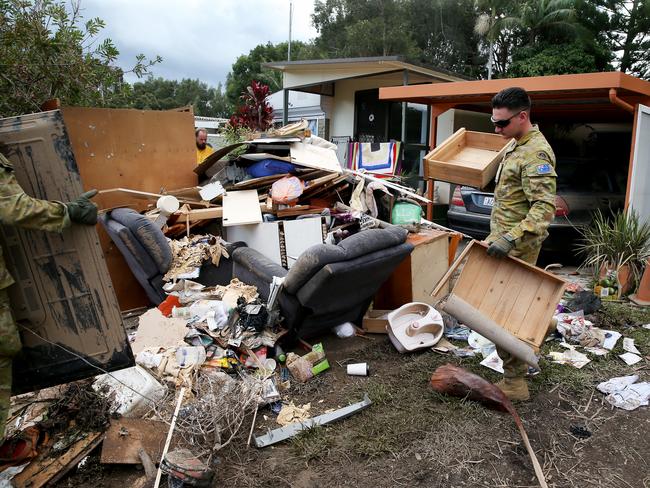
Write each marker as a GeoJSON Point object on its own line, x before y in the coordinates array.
{"type": "Point", "coordinates": [290, 19]}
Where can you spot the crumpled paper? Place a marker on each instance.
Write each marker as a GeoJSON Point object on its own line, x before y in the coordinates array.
{"type": "Point", "coordinates": [291, 413]}
{"type": "Point", "coordinates": [624, 392]}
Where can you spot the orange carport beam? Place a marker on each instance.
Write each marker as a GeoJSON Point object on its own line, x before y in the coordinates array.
{"type": "Point", "coordinates": [586, 85]}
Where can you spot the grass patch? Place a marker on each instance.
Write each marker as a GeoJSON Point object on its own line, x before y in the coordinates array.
{"type": "Point", "coordinates": [312, 443]}
{"type": "Point", "coordinates": [622, 315]}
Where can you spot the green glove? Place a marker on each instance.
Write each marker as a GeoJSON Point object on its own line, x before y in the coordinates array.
{"type": "Point", "coordinates": [82, 210]}
{"type": "Point", "coordinates": [501, 247]}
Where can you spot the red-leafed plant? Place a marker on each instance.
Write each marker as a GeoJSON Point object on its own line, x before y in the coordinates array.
{"type": "Point", "coordinates": [255, 113]}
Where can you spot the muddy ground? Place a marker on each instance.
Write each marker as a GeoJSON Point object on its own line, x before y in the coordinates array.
{"type": "Point", "coordinates": [413, 436]}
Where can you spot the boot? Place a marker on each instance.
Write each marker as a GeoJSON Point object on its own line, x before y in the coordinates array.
{"type": "Point", "coordinates": [516, 389]}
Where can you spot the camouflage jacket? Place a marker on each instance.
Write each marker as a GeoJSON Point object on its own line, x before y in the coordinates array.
{"type": "Point", "coordinates": [19, 209]}
{"type": "Point", "coordinates": [524, 198]}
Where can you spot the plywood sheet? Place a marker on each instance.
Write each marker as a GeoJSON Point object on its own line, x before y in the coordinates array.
{"type": "Point", "coordinates": [264, 237]}
{"type": "Point", "coordinates": [315, 157]}
{"type": "Point", "coordinates": [241, 208]}
{"type": "Point", "coordinates": [145, 150]}
{"type": "Point", "coordinates": [125, 437]}
{"type": "Point", "coordinates": [519, 297]}
{"type": "Point", "coordinates": [300, 235]}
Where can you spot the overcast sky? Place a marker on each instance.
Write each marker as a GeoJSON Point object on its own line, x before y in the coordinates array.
{"type": "Point", "coordinates": [197, 38]}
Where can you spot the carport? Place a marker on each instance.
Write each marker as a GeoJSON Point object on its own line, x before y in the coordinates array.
{"type": "Point", "coordinates": [590, 98]}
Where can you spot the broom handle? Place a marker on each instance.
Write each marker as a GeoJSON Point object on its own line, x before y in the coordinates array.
{"type": "Point", "coordinates": [538, 469]}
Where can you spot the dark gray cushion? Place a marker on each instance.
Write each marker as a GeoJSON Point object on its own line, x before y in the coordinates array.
{"type": "Point", "coordinates": [150, 236]}
{"type": "Point", "coordinates": [136, 256]}
{"type": "Point", "coordinates": [316, 257]}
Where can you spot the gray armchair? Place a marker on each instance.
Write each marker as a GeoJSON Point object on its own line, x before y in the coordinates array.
{"type": "Point", "coordinates": [328, 285]}
{"type": "Point", "coordinates": [147, 252]}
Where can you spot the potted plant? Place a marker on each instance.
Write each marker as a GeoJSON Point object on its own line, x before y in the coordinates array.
{"type": "Point", "coordinates": [617, 248]}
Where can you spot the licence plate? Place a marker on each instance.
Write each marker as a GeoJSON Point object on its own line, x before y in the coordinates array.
{"type": "Point", "coordinates": [488, 201]}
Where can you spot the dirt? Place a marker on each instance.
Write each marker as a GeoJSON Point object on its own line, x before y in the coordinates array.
{"type": "Point", "coordinates": [412, 436]}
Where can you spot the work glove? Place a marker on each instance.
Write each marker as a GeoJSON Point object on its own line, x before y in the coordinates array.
{"type": "Point", "coordinates": [501, 247]}
{"type": "Point", "coordinates": [82, 210]}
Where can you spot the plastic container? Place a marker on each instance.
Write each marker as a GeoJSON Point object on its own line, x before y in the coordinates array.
{"type": "Point", "coordinates": [136, 400]}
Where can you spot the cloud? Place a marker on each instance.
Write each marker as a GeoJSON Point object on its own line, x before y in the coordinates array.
{"type": "Point", "coordinates": [196, 38]}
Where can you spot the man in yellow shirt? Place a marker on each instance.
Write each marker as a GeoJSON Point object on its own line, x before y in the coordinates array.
{"type": "Point", "coordinates": [203, 150]}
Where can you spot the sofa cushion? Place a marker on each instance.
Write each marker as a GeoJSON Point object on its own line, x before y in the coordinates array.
{"type": "Point", "coordinates": [135, 255]}
{"type": "Point", "coordinates": [151, 237]}
{"type": "Point", "coordinates": [316, 257]}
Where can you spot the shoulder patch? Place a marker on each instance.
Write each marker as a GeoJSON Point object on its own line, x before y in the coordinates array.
{"type": "Point", "coordinates": [543, 155]}
{"type": "Point", "coordinates": [544, 169]}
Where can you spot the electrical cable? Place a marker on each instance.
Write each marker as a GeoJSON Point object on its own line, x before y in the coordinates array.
{"type": "Point", "coordinates": [72, 353]}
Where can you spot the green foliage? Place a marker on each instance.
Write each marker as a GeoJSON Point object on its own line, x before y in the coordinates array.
{"type": "Point", "coordinates": [161, 94]}
{"type": "Point", "coordinates": [47, 52]}
{"type": "Point", "coordinates": [555, 59]}
{"type": "Point", "coordinates": [614, 242]}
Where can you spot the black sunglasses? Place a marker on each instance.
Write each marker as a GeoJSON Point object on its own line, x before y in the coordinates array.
{"type": "Point", "coordinates": [503, 122]}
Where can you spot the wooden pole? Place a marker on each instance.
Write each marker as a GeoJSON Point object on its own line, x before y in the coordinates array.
{"type": "Point", "coordinates": [169, 436]}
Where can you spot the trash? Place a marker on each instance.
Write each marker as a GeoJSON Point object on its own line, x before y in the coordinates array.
{"type": "Point", "coordinates": [168, 305]}
{"type": "Point", "coordinates": [376, 321]}
{"type": "Point", "coordinates": [623, 392]}
{"type": "Point", "coordinates": [611, 338]}
{"type": "Point", "coordinates": [597, 351]}
{"type": "Point", "coordinates": [288, 431]}
{"type": "Point", "coordinates": [570, 357]}
{"type": "Point", "coordinates": [290, 414]}
{"type": "Point", "coordinates": [157, 331]}
{"type": "Point", "coordinates": [444, 346]}
{"type": "Point", "coordinates": [183, 466]}
{"type": "Point", "coordinates": [189, 254]}
{"type": "Point", "coordinates": [629, 358]}
{"type": "Point", "coordinates": [190, 357]}
{"type": "Point", "coordinates": [584, 300]}
{"type": "Point", "coordinates": [305, 367]}
{"type": "Point", "coordinates": [211, 191]}
{"type": "Point", "coordinates": [455, 381]}
{"type": "Point", "coordinates": [287, 190]}
{"type": "Point", "coordinates": [415, 326]}
{"type": "Point", "coordinates": [494, 362]}
{"type": "Point", "coordinates": [133, 390]}
{"type": "Point", "coordinates": [646, 326]}
{"type": "Point", "coordinates": [345, 330]}
{"type": "Point", "coordinates": [580, 431]}
{"type": "Point", "coordinates": [628, 345]}
{"type": "Point", "coordinates": [480, 343]}
{"type": "Point", "coordinates": [358, 369]}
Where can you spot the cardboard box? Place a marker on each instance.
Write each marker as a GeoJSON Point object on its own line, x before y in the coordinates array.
{"type": "Point", "coordinates": [466, 158]}
{"type": "Point", "coordinates": [375, 321]}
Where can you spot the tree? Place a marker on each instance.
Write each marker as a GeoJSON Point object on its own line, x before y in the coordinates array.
{"type": "Point", "coordinates": [349, 28]}
{"type": "Point", "coordinates": [629, 34]}
{"type": "Point", "coordinates": [443, 33]}
{"type": "Point", "coordinates": [255, 113]}
{"type": "Point", "coordinates": [47, 52]}
{"type": "Point", "coordinates": [161, 94]}
{"type": "Point", "coordinates": [248, 67]}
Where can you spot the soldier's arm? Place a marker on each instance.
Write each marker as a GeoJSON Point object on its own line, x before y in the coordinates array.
{"type": "Point", "coordinates": [19, 209]}
{"type": "Point", "coordinates": [538, 180]}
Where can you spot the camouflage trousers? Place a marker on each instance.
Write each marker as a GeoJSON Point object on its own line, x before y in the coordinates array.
{"type": "Point", "coordinates": [9, 346]}
{"type": "Point", "coordinates": [513, 367]}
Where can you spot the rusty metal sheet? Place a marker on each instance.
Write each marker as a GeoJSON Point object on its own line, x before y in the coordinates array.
{"type": "Point", "coordinates": [63, 292]}
{"type": "Point", "coordinates": [126, 436]}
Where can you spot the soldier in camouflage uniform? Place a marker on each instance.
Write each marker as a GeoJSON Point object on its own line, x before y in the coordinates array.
{"type": "Point", "coordinates": [524, 202]}
{"type": "Point", "coordinates": [18, 208]}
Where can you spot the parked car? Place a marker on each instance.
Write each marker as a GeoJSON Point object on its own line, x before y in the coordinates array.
{"type": "Point", "coordinates": [582, 187]}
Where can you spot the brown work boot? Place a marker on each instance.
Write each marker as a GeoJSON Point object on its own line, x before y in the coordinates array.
{"type": "Point", "coordinates": [516, 389]}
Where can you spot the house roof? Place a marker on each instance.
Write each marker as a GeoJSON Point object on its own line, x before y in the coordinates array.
{"type": "Point", "coordinates": [587, 91]}
{"type": "Point", "coordinates": [318, 75]}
